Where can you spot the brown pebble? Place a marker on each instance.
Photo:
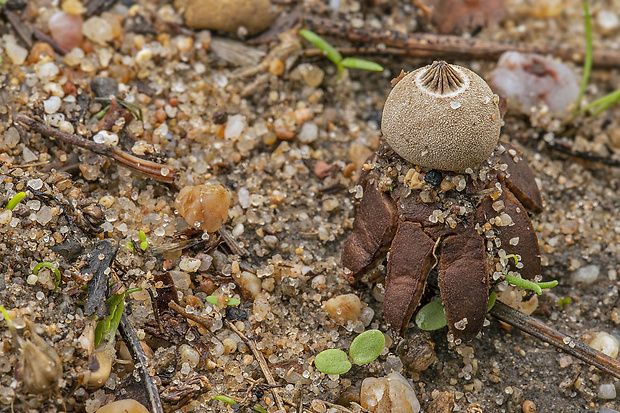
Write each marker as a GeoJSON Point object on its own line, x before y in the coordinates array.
{"type": "Point", "coordinates": [69, 89]}
{"type": "Point", "coordinates": [348, 170]}
{"type": "Point", "coordinates": [443, 403]}
{"type": "Point", "coordinates": [276, 67]}
{"type": "Point", "coordinates": [418, 353]}
{"type": "Point", "coordinates": [160, 115]}
{"type": "Point", "coordinates": [204, 207]}
{"type": "Point", "coordinates": [207, 285]}
{"type": "Point", "coordinates": [220, 117]}
{"type": "Point", "coordinates": [322, 169]}
{"type": "Point", "coordinates": [343, 308]}
{"type": "Point", "coordinates": [192, 301]}
{"type": "Point", "coordinates": [229, 15]}
{"type": "Point", "coordinates": [40, 51]}
{"type": "Point", "coordinates": [529, 407]}
{"type": "Point", "coordinates": [570, 226]}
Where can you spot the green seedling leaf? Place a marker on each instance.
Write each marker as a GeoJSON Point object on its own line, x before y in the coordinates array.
{"type": "Point", "coordinates": [321, 44]}
{"type": "Point", "coordinates": [564, 301]}
{"type": "Point", "coordinates": [332, 361]}
{"type": "Point", "coordinates": [233, 302]}
{"type": "Point", "coordinates": [492, 298]}
{"type": "Point", "coordinates": [355, 63]}
{"type": "Point", "coordinates": [529, 285]}
{"type": "Point", "coordinates": [587, 64]}
{"type": "Point", "coordinates": [366, 347]}
{"type": "Point", "coordinates": [15, 200]}
{"type": "Point", "coordinates": [5, 314]}
{"type": "Point", "coordinates": [602, 104]}
{"type": "Point", "coordinates": [224, 399]}
{"type": "Point", "coordinates": [431, 316]}
{"type": "Point", "coordinates": [52, 267]}
{"type": "Point", "coordinates": [259, 409]}
{"type": "Point", "coordinates": [105, 330]}
{"type": "Point", "coordinates": [211, 299]}
{"type": "Point", "coordinates": [130, 246]}
{"type": "Point", "coordinates": [99, 115]}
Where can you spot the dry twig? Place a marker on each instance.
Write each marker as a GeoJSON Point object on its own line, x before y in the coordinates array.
{"type": "Point", "coordinates": [561, 341]}
{"type": "Point", "coordinates": [156, 171]}
{"type": "Point", "coordinates": [448, 46]}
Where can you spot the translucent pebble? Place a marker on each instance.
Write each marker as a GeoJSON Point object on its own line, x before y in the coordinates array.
{"type": "Point", "coordinates": [607, 391]}
{"type": "Point", "coordinates": [98, 30]}
{"type": "Point", "coordinates": [36, 183]}
{"type": "Point", "coordinates": [106, 138]}
{"type": "Point", "coordinates": [5, 216]}
{"type": "Point", "coordinates": [389, 394]}
{"type": "Point", "coordinates": [74, 57]}
{"type": "Point", "coordinates": [47, 71]}
{"type": "Point", "coordinates": [33, 204]}
{"type": "Point", "coordinates": [220, 80]}
{"type": "Point", "coordinates": [44, 215]}
{"type": "Point", "coordinates": [607, 20]}
{"type": "Point", "coordinates": [29, 156]}
{"type": "Point", "coordinates": [66, 29]}
{"type": "Point", "coordinates": [527, 80]}
{"type": "Point", "coordinates": [189, 264]}
{"type": "Point", "coordinates": [234, 126]}
{"type": "Point", "coordinates": [309, 132]}
{"type": "Point", "coordinates": [605, 343]}
{"type": "Point", "coordinates": [125, 405]}
{"type": "Point", "coordinates": [10, 138]}
{"type": "Point", "coordinates": [52, 104]}
{"type": "Point", "coordinates": [243, 195]}
{"type": "Point", "coordinates": [203, 206]}
{"type": "Point", "coordinates": [32, 279]}
{"type": "Point", "coordinates": [189, 355]}
{"type": "Point", "coordinates": [587, 274]}
{"type": "Point", "coordinates": [455, 105]}
{"type": "Point", "coordinates": [16, 53]}
{"type": "Point", "coordinates": [40, 295]}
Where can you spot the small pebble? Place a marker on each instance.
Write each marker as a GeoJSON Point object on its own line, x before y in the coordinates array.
{"type": "Point", "coordinates": [104, 86]}
{"type": "Point", "coordinates": [343, 308]}
{"type": "Point", "coordinates": [52, 104]}
{"type": "Point", "coordinates": [235, 313]}
{"type": "Point", "coordinates": [123, 406]}
{"type": "Point", "coordinates": [605, 343]}
{"type": "Point", "coordinates": [229, 15]}
{"type": "Point", "coordinates": [16, 53]}
{"type": "Point", "coordinates": [529, 407]}
{"type": "Point", "coordinates": [66, 29]}
{"type": "Point", "coordinates": [308, 133]}
{"type": "Point", "coordinates": [98, 30]}
{"type": "Point", "coordinates": [389, 394]}
{"type": "Point", "coordinates": [607, 392]}
{"type": "Point", "coordinates": [587, 275]}
{"type": "Point", "coordinates": [204, 207]}
{"type": "Point", "coordinates": [188, 264]}
{"type": "Point", "coordinates": [234, 126]}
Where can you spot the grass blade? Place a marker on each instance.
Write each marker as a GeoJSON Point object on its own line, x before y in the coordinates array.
{"type": "Point", "coordinates": [355, 63]}
{"type": "Point", "coordinates": [330, 52]}
{"type": "Point", "coordinates": [587, 65]}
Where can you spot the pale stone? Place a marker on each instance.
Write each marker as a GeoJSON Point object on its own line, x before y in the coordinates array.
{"type": "Point", "coordinates": [389, 394]}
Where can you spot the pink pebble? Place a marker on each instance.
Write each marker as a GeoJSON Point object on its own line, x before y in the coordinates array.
{"type": "Point", "coordinates": [66, 29]}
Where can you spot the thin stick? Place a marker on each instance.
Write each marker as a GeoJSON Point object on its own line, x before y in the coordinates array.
{"type": "Point", "coordinates": [156, 171]}
{"type": "Point", "coordinates": [140, 361]}
{"type": "Point", "coordinates": [439, 45]}
{"type": "Point", "coordinates": [561, 341]}
{"type": "Point", "coordinates": [261, 362]}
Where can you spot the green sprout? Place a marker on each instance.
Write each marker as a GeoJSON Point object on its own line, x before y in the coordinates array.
{"type": "Point", "coordinates": [525, 284]}
{"type": "Point", "coordinates": [602, 104]}
{"type": "Point", "coordinates": [259, 409]}
{"type": "Point", "coordinates": [15, 200]}
{"type": "Point", "coordinates": [213, 300]}
{"type": "Point", "coordinates": [564, 301]}
{"type": "Point", "coordinates": [134, 109]}
{"type": "Point", "coordinates": [364, 349]}
{"type": "Point", "coordinates": [432, 317]}
{"type": "Point", "coordinates": [107, 326]}
{"type": "Point", "coordinates": [224, 399]}
{"type": "Point", "coordinates": [9, 323]}
{"type": "Point", "coordinates": [144, 244]}
{"type": "Point", "coordinates": [336, 58]}
{"type": "Point", "coordinates": [587, 65]}
{"type": "Point", "coordinates": [52, 267]}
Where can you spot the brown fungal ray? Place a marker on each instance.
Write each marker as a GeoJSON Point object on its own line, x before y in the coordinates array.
{"type": "Point", "coordinates": [464, 283]}
{"type": "Point", "coordinates": [373, 229]}
{"type": "Point", "coordinates": [520, 180]}
{"type": "Point", "coordinates": [411, 259]}
{"type": "Point", "coordinates": [522, 231]}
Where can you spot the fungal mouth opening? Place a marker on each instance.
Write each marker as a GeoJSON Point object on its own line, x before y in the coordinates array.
{"type": "Point", "coordinates": [442, 79]}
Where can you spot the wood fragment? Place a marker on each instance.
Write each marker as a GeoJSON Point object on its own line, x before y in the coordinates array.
{"type": "Point", "coordinates": [559, 340]}
{"type": "Point", "coordinates": [448, 46]}
{"type": "Point", "coordinates": [158, 172]}
{"type": "Point", "coordinates": [47, 39]}
{"type": "Point", "coordinates": [23, 29]}
{"type": "Point", "coordinates": [99, 259]}
{"type": "Point", "coordinates": [141, 363]}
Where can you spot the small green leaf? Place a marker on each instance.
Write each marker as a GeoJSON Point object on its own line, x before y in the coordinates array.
{"type": "Point", "coordinates": [211, 299]}
{"type": "Point", "coordinates": [367, 347]}
{"type": "Point", "coordinates": [142, 235]}
{"type": "Point", "coordinates": [529, 285]}
{"type": "Point", "coordinates": [564, 301]}
{"type": "Point", "coordinates": [15, 200]}
{"type": "Point", "coordinates": [259, 409]}
{"type": "Point", "coordinates": [330, 52]}
{"type": "Point", "coordinates": [431, 316]}
{"type": "Point", "coordinates": [224, 399]}
{"type": "Point", "coordinates": [233, 302]}
{"type": "Point", "coordinates": [491, 303]}
{"type": "Point", "coordinates": [332, 361]}
{"type": "Point", "coordinates": [355, 63]}
{"type": "Point", "coordinates": [5, 313]}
